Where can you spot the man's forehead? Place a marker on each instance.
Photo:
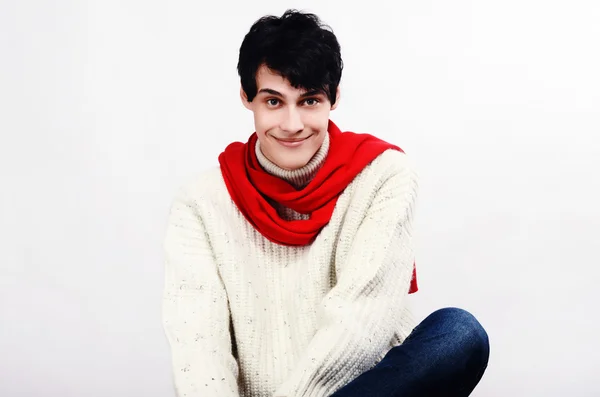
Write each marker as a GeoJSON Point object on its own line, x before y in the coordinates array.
{"type": "Point", "coordinates": [288, 91]}
{"type": "Point", "coordinates": [268, 80]}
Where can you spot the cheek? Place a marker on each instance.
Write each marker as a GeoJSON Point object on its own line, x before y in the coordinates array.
{"type": "Point", "coordinates": [265, 117]}
{"type": "Point", "coordinates": [319, 119]}
{"type": "Point", "coordinates": [260, 124]}
{"type": "Point", "coordinates": [319, 142]}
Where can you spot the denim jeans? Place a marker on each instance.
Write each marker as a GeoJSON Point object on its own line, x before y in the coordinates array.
{"type": "Point", "coordinates": [444, 356]}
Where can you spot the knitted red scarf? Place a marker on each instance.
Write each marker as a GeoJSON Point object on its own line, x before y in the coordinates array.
{"type": "Point", "coordinates": [249, 186]}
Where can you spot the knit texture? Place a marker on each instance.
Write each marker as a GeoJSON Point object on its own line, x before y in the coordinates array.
{"type": "Point", "coordinates": [247, 317]}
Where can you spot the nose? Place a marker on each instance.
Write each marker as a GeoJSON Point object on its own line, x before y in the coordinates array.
{"type": "Point", "coordinates": [292, 122]}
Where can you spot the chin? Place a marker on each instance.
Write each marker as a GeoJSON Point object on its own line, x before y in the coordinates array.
{"type": "Point", "coordinates": [292, 164]}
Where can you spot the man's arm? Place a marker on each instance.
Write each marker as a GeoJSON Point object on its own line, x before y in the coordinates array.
{"type": "Point", "coordinates": [195, 309]}
{"type": "Point", "coordinates": [359, 316]}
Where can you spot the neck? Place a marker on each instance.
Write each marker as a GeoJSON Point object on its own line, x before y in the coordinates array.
{"type": "Point", "coordinates": [299, 177]}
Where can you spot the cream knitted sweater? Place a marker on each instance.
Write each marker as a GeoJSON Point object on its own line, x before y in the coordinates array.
{"type": "Point", "coordinates": [247, 317]}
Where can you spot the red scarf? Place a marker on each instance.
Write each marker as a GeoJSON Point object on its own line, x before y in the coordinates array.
{"type": "Point", "coordinates": [249, 185]}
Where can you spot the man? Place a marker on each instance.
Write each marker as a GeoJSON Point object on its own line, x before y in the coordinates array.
{"type": "Point", "coordinates": [287, 266]}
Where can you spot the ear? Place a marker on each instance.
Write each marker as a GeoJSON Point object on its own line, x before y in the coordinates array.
{"type": "Point", "coordinates": [244, 98]}
{"type": "Point", "coordinates": [337, 98]}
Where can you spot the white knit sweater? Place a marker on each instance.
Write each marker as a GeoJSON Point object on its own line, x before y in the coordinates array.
{"type": "Point", "coordinates": [247, 317]}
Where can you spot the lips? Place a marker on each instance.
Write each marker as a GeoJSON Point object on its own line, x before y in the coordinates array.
{"type": "Point", "coordinates": [292, 142]}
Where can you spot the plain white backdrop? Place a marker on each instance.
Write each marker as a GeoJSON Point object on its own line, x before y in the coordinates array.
{"type": "Point", "coordinates": [106, 107]}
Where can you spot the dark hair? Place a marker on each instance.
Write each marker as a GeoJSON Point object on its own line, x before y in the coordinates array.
{"type": "Point", "coordinates": [297, 46]}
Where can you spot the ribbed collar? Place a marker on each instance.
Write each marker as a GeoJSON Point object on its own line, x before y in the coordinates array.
{"type": "Point", "coordinates": [300, 177]}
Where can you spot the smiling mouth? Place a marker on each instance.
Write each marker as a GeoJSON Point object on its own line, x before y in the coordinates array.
{"type": "Point", "coordinates": [292, 142]}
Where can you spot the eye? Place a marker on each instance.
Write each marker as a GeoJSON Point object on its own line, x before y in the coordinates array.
{"type": "Point", "coordinates": [312, 101]}
{"type": "Point", "coordinates": [272, 102]}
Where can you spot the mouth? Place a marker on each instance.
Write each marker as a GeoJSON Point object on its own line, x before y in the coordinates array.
{"type": "Point", "coordinates": [292, 142]}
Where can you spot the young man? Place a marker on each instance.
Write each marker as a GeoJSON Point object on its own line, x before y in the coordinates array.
{"type": "Point", "coordinates": [288, 265]}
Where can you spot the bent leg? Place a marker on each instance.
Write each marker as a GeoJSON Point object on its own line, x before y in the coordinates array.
{"type": "Point", "coordinates": [444, 356]}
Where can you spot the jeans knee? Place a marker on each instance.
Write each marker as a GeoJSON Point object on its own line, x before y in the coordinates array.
{"type": "Point", "coordinates": [465, 330]}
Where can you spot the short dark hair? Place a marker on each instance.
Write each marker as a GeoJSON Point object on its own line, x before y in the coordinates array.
{"type": "Point", "coordinates": [297, 46]}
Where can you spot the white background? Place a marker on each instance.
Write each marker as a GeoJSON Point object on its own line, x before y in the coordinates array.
{"type": "Point", "coordinates": [106, 107]}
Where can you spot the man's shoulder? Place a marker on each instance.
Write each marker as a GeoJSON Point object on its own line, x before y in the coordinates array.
{"type": "Point", "coordinates": [203, 185]}
{"type": "Point", "coordinates": [392, 162]}
{"type": "Point", "coordinates": [393, 169]}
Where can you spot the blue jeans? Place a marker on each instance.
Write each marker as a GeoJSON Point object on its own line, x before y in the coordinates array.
{"type": "Point", "coordinates": [444, 356]}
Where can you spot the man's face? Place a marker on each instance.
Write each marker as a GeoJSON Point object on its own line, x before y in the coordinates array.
{"type": "Point", "coordinates": [290, 123]}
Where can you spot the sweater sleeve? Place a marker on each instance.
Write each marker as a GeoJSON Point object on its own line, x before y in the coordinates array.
{"type": "Point", "coordinates": [195, 309]}
{"type": "Point", "coordinates": [358, 318]}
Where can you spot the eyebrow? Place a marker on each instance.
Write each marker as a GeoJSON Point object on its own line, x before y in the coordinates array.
{"type": "Point", "coordinates": [277, 93]}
